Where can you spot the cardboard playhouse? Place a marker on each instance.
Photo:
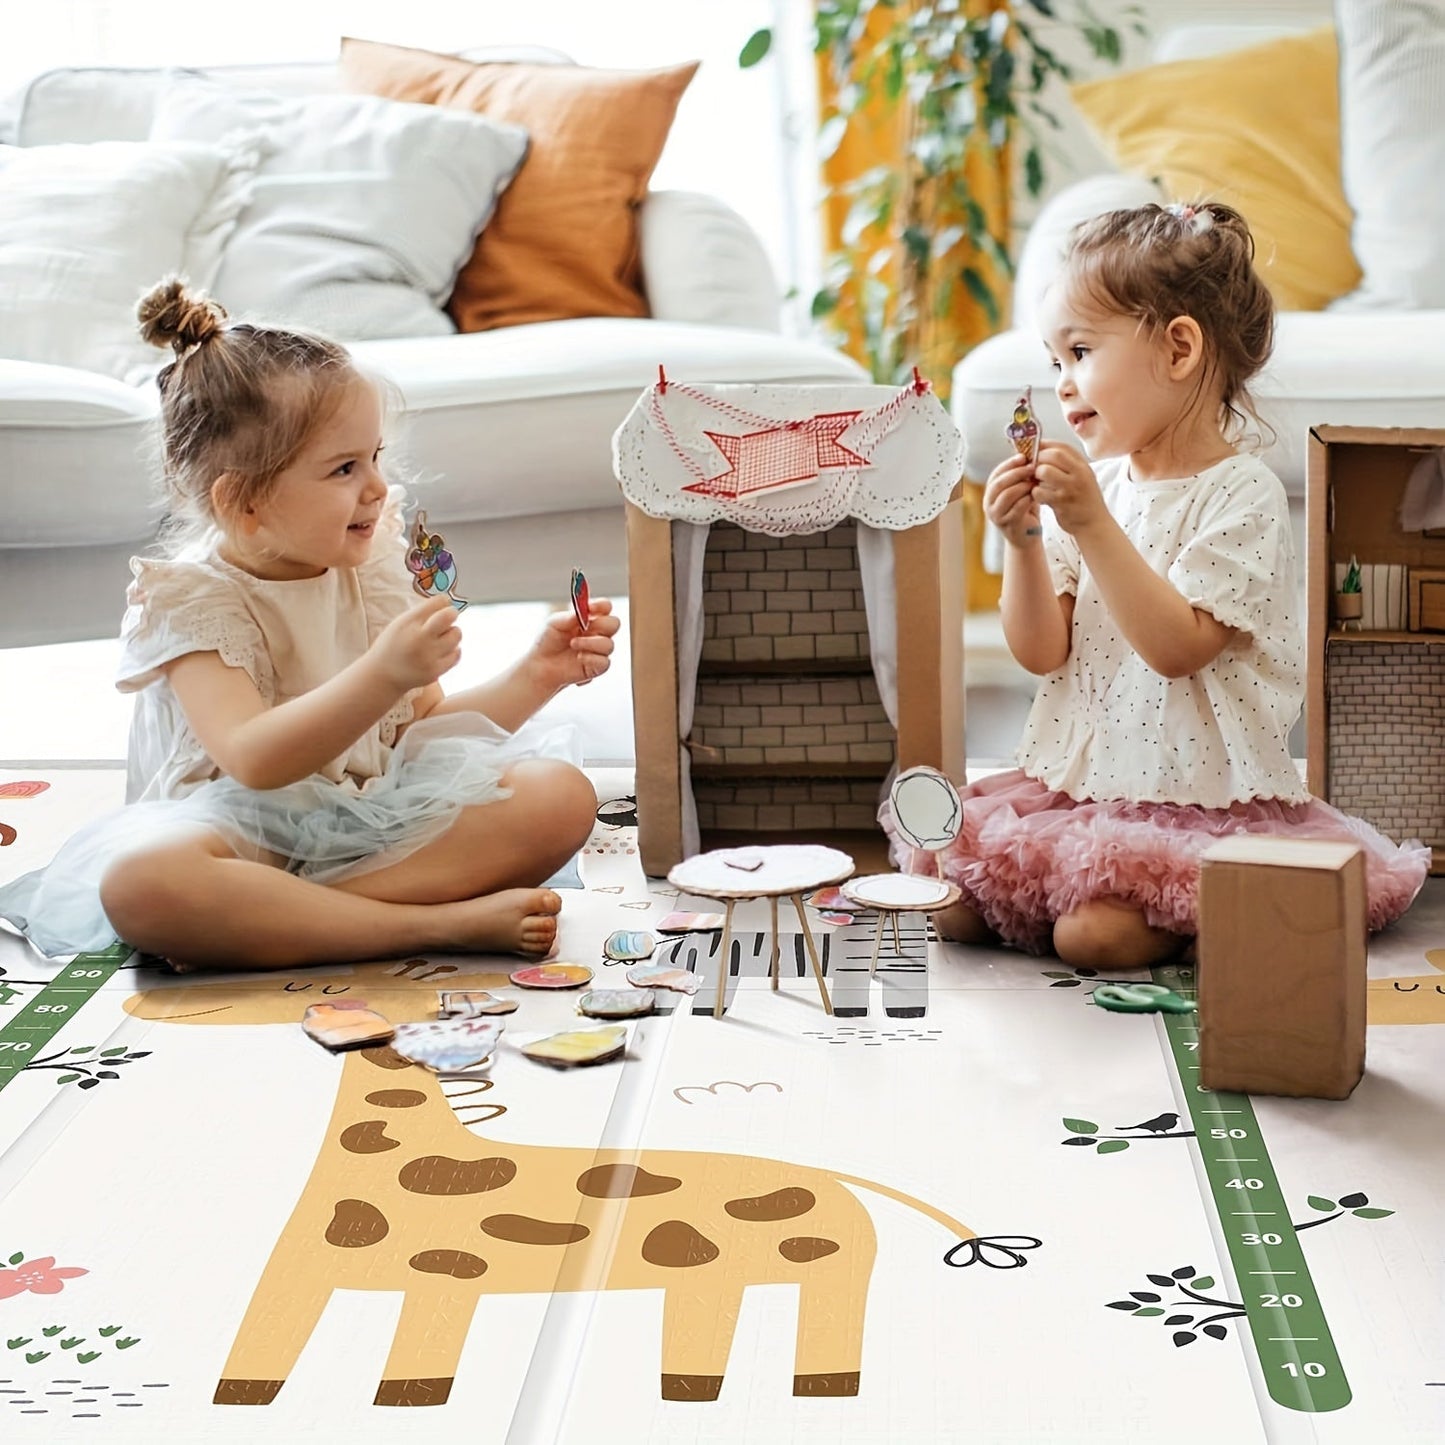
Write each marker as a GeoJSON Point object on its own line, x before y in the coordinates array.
{"type": "Point", "coordinates": [795, 578]}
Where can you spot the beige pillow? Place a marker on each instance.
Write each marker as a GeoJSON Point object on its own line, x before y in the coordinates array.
{"type": "Point", "coordinates": [1257, 128]}
{"type": "Point", "coordinates": [563, 240]}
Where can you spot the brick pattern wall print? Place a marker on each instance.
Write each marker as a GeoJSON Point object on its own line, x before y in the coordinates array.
{"type": "Point", "coordinates": [785, 687]}
{"type": "Point", "coordinates": [1387, 736]}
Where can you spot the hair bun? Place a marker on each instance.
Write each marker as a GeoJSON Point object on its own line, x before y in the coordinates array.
{"type": "Point", "coordinates": [170, 315]}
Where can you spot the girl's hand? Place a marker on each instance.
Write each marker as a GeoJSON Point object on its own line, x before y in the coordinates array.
{"type": "Point", "coordinates": [419, 646]}
{"type": "Point", "coordinates": [1009, 502]}
{"type": "Point", "coordinates": [1064, 480]}
{"type": "Point", "coordinates": [564, 654]}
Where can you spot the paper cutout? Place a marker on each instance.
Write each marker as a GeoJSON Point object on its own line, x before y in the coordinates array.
{"type": "Point", "coordinates": [434, 572]}
{"type": "Point", "coordinates": [691, 923]}
{"type": "Point", "coordinates": [22, 789]}
{"type": "Point", "coordinates": [581, 599]}
{"type": "Point", "coordinates": [473, 1003]}
{"type": "Point", "coordinates": [1023, 430]}
{"type": "Point", "coordinates": [616, 1003]}
{"type": "Point", "coordinates": [832, 900]}
{"type": "Point", "coordinates": [578, 1047]}
{"type": "Point", "coordinates": [838, 918]}
{"type": "Point", "coordinates": [1141, 998]}
{"type": "Point", "coordinates": [552, 975]}
{"type": "Point", "coordinates": [745, 860]}
{"type": "Point", "coordinates": [897, 890]}
{"type": "Point", "coordinates": [449, 1046]}
{"type": "Point", "coordinates": [660, 975]}
{"type": "Point", "coordinates": [628, 944]}
{"type": "Point", "coordinates": [791, 454]}
{"type": "Point", "coordinates": [345, 1024]}
{"type": "Point", "coordinates": [926, 808]}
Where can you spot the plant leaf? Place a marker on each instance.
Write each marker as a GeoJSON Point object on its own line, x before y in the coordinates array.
{"type": "Point", "coordinates": [1353, 1201]}
{"type": "Point", "coordinates": [1186, 1273]}
{"type": "Point", "coordinates": [111, 1053]}
{"type": "Point", "coordinates": [1112, 1146]}
{"type": "Point", "coordinates": [1372, 1213]}
{"type": "Point", "coordinates": [1054, 973]}
{"type": "Point", "coordinates": [109, 1330]}
{"type": "Point", "coordinates": [37, 1356]}
{"type": "Point", "coordinates": [1164, 1281]}
{"type": "Point", "coordinates": [127, 1343]}
{"type": "Point", "coordinates": [1184, 1337]}
{"type": "Point", "coordinates": [1122, 1304]}
{"type": "Point", "coordinates": [1179, 1320]}
{"type": "Point", "coordinates": [1151, 1310]}
{"type": "Point", "coordinates": [66, 1078]}
{"type": "Point", "coordinates": [52, 1330]}
{"type": "Point", "coordinates": [83, 1049]}
{"type": "Point", "coordinates": [755, 47]}
{"type": "Point", "coordinates": [86, 1356]}
{"type": "Point", "coordinates": [1317, 1201]}
{"type": "Point", "coordinates": [16, 1343]}
{"type": "Point", "coordinates": [1066, 983]}
{"type": "Point", "coordinates": [17, 1256]}
{"type": "Point", "coordinates": [88, 1083]}
{"type": "Point", "coordinates": [1080, 1126]}
{"type": "Point", "coordinates": [71, 1343]}
{"type": "Point", "coordinates": [1215, 1332]}
{"type": "Point", "coordinates": [1148, 1296]}
{"type": "Point", "coordinates": [1205, 1281]}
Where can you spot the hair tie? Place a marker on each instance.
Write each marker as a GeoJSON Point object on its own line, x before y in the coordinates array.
{"type": "Point", "coordinates": [1183, 212]}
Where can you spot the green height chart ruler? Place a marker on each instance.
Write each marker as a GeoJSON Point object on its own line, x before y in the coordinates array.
{"type": "Point", "coordinates": [1302, 1370]}
{"type": "Point", "coordinates": [23, 1038]}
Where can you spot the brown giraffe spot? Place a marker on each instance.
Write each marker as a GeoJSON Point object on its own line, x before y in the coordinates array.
{"type": "Point", "coordinates": [368, 1137]}
{"type": "Point", "coordinates": [623, 1181]}
{"type": "Point", "coordinates": [436, 1174]}
{"type": "Point", "coordinates": [691, 1387]}
{"type": "Point", "coordinates": [519, 1229]}
{"type": "Point", "coordinates": [804, 1250]}
{"type": "Point", "coordinates": [246, 1392]}
{"type": "Point", "coordinates": [413, 1392]}
{"type": "Point", "coordinates": [455, 1262]}
{"type": "Point", "coordinates": [396, 1098]}
{"type": "Point", "coordinates": [780, 1204]}
{"type": "Point", "coordinates": [844, 1383]}
{"type": "Point", "coordinates": [675, 1244]}
{"type": "Point", "coordinates": [385, 1057]}
{"type": "Point", "coordinates": [355, 1224]}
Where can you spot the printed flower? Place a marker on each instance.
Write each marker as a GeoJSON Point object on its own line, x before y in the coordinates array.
{"type": "Point", "coordinates": [39, 1276]}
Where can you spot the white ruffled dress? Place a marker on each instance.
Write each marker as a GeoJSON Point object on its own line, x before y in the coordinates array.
{"type": "Point", "coordinates": [381, 800]}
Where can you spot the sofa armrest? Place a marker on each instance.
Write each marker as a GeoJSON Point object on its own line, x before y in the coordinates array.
{"type": "Point", "coordinates": [703, 264]}
{"type": "Point", "coordinates": [1039, 259]}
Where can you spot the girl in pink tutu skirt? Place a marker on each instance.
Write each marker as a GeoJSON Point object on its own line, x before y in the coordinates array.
{"type": "Point", "coordinates": [1155, 593]}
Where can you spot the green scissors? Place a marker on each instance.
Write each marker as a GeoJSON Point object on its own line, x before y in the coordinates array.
{"type": "Point", "coordinates": [1141, 998]}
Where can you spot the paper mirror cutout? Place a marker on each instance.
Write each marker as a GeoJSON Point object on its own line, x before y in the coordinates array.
{"type": "Point", "coordinates": [552, 975]}
{"type": "Point", "coordinates": [897, 891]}
{"type": "Point", "coordinates": [926, 808]}
{"type": "Point", "coordinates": [616, 1003]}
{"type": "Point", "coordinates": [433, 569]}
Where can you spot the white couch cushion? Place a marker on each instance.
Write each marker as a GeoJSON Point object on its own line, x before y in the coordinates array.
{"type": "Point", "coordinates": [85, 230]}
{"type": "Point", "coordinates": [511, 423]}
{"type": "Point", "coordinates": [363, 210]}
{"type": "Point", "coordinates": [1392, 113]}
{"type": "Point", "coordinates": [1327, 369]}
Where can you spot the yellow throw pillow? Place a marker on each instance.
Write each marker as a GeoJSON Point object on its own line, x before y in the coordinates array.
{"type": "Point", "coordinates": [1258, 129]}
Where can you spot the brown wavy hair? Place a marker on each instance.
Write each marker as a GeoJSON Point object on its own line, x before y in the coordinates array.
{"type": "Point", "coordinates": [238, 403]}
{"type": "Point", "coordinates": [1157, 263]}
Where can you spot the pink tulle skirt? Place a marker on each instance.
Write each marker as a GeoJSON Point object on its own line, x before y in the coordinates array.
{"type": "Point", "coordinates": [1026, 855]}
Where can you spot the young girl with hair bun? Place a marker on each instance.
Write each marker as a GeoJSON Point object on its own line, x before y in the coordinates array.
{"type": "Point", "coordinates": [300, 789]}
{"type": "Point", "coordinates": [1155, 594]}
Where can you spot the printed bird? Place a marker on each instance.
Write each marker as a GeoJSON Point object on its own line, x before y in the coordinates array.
{"type": "Point", "coordinates": [1160, 1124]}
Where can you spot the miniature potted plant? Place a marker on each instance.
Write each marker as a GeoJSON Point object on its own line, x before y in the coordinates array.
{"type": "Point", "coordinates": [1349, 600]}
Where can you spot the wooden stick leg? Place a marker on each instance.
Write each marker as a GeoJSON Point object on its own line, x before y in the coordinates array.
{"type": "Point", "coordinates": [877, 942]}
{"type": "Point", "coordinates": [813, 954]}
{"type": "Point", "coordinates": [777, 950]}
{"type": "Point", "coordinates": [897, 941]}
{"type": "Point", "coordinates": [722, 977]}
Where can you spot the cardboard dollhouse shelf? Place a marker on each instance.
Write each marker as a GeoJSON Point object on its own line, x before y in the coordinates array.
{"type": "Point", "coordinates": [795, 575]}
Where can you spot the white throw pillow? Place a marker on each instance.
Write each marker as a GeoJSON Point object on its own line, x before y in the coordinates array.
{"type": "Point", "coordinates": [86, 230]}
{"type": "Point", "coordinates": [1392, 122]}
{"type": "Point", "coordinates": [363, 211]}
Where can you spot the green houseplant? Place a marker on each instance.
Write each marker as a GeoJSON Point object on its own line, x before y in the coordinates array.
{"type": "Point", "coordinates": [947, 95]}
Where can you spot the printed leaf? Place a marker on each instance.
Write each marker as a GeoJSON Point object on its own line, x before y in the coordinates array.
{"type": "Point", "coordinates": [86, 1356]}
{"type": "Point", "coordinates": [757, 45]}
{"type": "Point", "coordinates": [53, 1330]}
{"type": "Point", "coordinates": [1372, 1213]}
{"type": "Point", "coordinates": [1066, 983]}
{"type": "Point", "coordinates": [1184, 1273]}
{"type": "Point", "coordinates": [1087, 972]}
{"type": "Point", "coordinates": [127, 1343]}
{"type": "Point", "coordinates": [109, 1330]}
{"type": "Point", "coordinates": [1164, 1281]}
{"type": "Point", "coordinates": [39, 1355]}
{"type": "Point", "coordinates": [111, 1053]}
{"type": "Point", "coordinates": [1054, 973]}
{"type": "Point", "coordinates": [66, 1078]}
{"type": "Point", "coordinates": [17, 1256]}
{"type": "Point", "coordinates": [1080, 1126]}
{"type": "Point", "coordinates": [1317, 1202]}
{"type": "Point", "coordinates": [1215, 1332]}
{"type": "Point", "coordinates": [83, 1049]}
{"type": "Point", "coordinates": [1084, 1139]}
{"type": "Point", "coordinates": [1148, 1296]}
{"type": "Point", "coordinates": [1353, 1201]}
{"type": "Point", "coordinates": [107, 1074]}
{"type": "Point", "coordinates": [139, 1054]}
{"type": "Point", "coordinates": [1180, 1320]}
{"type": "Point", "coordinates": [1205, 1281]}
{"type": "Point", "coordinates": [16, 1343]}
{"type": "Point", "coordinates": [1150, 1311]}
{"type": "Point", "coordinates": [88, 1083]}
{"type": "Point", "coordinates": [1112, 1146]}
{"type": "Point", "coordinates": [72, 1342]}
{"type": "Point", "coordinates": [1184, 1337]}
{"type": "Point", "coordinates": [1122, 1304]}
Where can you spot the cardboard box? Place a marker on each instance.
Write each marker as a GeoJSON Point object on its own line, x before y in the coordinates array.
{"type": "Point", "coordinates": [1374, 697]}
{"type": "Point", "coordinates": [1427, 599]}
{"type": "Point", "coordinates": [1282, 966]}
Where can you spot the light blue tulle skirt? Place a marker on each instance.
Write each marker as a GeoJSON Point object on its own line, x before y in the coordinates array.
{"type": "Point", "coordinates": [325, 830]}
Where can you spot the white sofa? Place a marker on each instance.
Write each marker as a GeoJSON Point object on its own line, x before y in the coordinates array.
{"type": "Point", "coordinates": [507, 432]}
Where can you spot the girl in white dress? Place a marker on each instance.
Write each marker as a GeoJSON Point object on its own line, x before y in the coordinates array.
{"type": "Point", "coordinates": [1155, 593]}
{"type": "Point", "coordinates": [300, 789]}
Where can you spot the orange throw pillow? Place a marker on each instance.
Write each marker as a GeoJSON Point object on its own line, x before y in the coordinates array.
{"type": "Point", "coordinates": [563, 240]}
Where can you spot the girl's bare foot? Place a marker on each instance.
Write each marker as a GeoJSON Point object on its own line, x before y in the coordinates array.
{"type": "Point", "coordinates": [960, 924]}
{"type": "Point", "coordinates": [517, 920]}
